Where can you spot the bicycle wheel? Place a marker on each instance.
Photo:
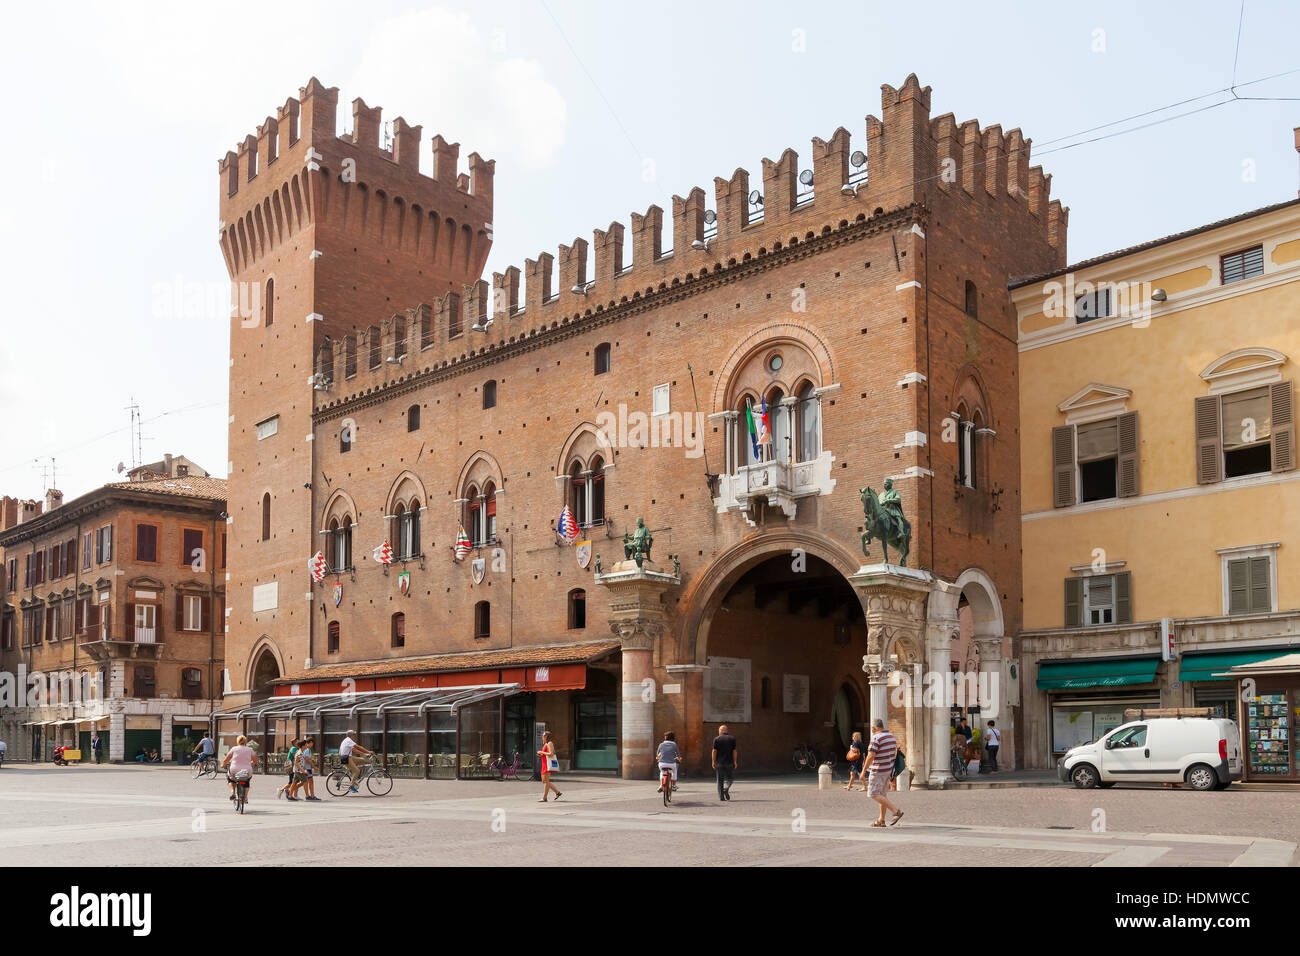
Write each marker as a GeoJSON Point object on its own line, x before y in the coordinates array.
{"type": "Point", "coordinates": [339, 784]}
{"type": "Point", "coordinates": [239, 799]}
{"type": "Point", "coordinates": [197, 770]}
{"type": "Point", "coordinates": [380, 783]}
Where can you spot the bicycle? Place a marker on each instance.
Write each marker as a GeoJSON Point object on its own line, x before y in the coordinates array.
{"type": "Point", "coordinates": [378, 780]}
{"type": "Point", "coordinates": [241, 789]}
{"type": "Point", "coordinates": [203, 767]}
{"type": "Point", "coordinates": [502, 770]}
{"type": "Point", "coordinates": [805, 758]}
{"type": "Point", "coordinates": [959, 762]}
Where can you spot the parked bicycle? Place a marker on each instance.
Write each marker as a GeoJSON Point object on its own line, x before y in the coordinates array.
{"type": "Point", "coordinates": [514, 770]}
{"type": "Point", "coordinates": [377, 780]}
{"type": "Point", "coordinates": [959, 761]}
{"type": "Point", "coordinates": [805, 758]}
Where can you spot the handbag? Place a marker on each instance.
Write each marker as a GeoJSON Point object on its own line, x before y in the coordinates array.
{"type": "Point", "coordinates": [552, 763]}
{"type": "Point", "coordinates": [854, 755]}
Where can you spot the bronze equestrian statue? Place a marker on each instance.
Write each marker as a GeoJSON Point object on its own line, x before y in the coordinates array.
{"type": "Point", "coordinates": [885, 522]}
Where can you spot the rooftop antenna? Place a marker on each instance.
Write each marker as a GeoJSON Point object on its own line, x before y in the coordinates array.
{"type": "Point", "coordinates": [137, 449]}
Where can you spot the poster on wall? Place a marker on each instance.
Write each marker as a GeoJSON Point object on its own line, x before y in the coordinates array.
{"type": "Point", "coordinates": [1070, 728]}
{"type": "Point", "coordinates": [726, 690]}
{"type": "Point", "coordinates": [794, 693]}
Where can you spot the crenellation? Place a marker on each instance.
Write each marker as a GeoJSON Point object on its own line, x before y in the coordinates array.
{"type": "Point", "coordinates": [366, 123]}
{"type": "Point", "coordinates": [972, 156]}
{"type": "Point", "coordinates": [1058, 217]}
{"type": "Point", "coordinates": [406, 144]}
{"type": "Point", "coordinates": [948, 151]}
{"type": "Point", "coordinates": [1040, 188]}
{"type": "Point", "coordinates": [248, 157]}
{"type": "Point", "coordinates": [688, 221]}
{"type": "Point", "coordinates": [318, 106]}
{"type": "Point", "coordinates": [780, 187]}
{"type": "Point", "coordinates": [482, 172]}
{"type": "Point", "coordinates": [287, 119]}
{"type": "Point", "coordinates": [445, 157]}
{"type": "Point", "coordinates": [537, 291]}
{"type": "Point", "coordinates": [1017, 166]}
{"type": "Point", "coordinates": [732, 197]}
{"type": "Point", "coordinates": [505, 294]}
{"type": "Point", "coordinates": [831, 162]}
{"type": "Point", "coordinates": [475, 305]}
{"type": "Point", "coordinates": [609, 252]}
{"type": "Point", "coordinates": [268, 142]}
{"type": "Point", "coordinates": [995, 161]}
{"type": "Point", "coordinates": [647, 236]}
{"type": "Point", "coordinates": [573, 266]}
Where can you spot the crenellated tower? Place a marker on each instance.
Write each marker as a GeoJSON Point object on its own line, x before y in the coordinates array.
{"type": "Point", "coordinates": [321, 234]}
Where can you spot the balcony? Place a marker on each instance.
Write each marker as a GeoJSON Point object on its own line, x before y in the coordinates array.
{"type": "Point", "coordinates": [780, 484]}
{"type": "Point", "coordinates": [146, 635]}
{"type": "Point", "coordinates": [141, 643]}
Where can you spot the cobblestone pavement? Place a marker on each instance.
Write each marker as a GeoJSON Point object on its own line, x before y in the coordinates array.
{"type": "Point", "coordinates": [160, 816]}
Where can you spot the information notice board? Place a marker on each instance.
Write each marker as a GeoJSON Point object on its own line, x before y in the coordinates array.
{"type": "Point", "coordinates": [726, 690]}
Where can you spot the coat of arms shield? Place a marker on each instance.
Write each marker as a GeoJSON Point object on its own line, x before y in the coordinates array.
{"type": "Point", "coordinates": [404, 582]}
{"type": "Point", "coordinates": [477, 569]}
{"type": "Point", "coordinates": [338, 594]}
{"type": "Point", "coordinates": [583, 551]}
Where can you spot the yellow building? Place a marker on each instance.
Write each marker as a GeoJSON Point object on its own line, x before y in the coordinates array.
{"type": "Point", "coordinates": [1160, 495]}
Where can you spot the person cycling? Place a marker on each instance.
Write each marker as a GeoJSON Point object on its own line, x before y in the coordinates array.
{"type": "Point", "coordinates": [239, 764]}
{"type": "Point", "coordinates": [2, 753]}
{"type": "Point", "coordinates": [348, 751]}
{"type": "Point", "coordinates": [206, 749]}
{"type": "Point", "coordinates": [668, 756]}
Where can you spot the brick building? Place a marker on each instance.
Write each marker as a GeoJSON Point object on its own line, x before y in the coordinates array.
{"type": "Point", "coordinates": [381, 391]}
{"type": "Point", "coordinates": [109, 616]}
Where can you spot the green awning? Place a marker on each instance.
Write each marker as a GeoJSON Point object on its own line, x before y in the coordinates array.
{"type": "Point", "coordinates": [1074, 675]}
{"type": "Point", "coordinates": [1204, 666]}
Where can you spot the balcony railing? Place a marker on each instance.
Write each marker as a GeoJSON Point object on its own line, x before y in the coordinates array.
{"type": "Point", "coordinates": [146, 635]}
{"type": "Point", "coordinates": [778, 483]}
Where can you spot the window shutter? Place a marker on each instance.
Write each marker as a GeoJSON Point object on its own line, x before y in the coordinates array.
{"type": "Point", "coordinates": [158, 624]}
{"type": "Point", "coordinates": [1127, 466]}
{"type": "Point", "coordinates": [1124, 597]}
{"type": "Point", "coordinates": [1283, 427]}
{"type": "Point", "coordinates": [1062, 466]}
{"type": "Point", "coordinates": [205, 614]}
{"type": "Point", "coordinates": [1209, 451]}
{"type": "Point", "coordinates": [1261, 597]}
{"type": "Point", "coordinates": [1073, 602]}
{"type": "Point", "coordinates": [130, 621]}
{"type": "Point", "coordinates": [108, 543]}
{"type": "Point", "coordinates": [1239, 586]}
{"type": "Point", "coordinates": [180, 611]}
{"type": "Point", "coordinates": [99, 546]}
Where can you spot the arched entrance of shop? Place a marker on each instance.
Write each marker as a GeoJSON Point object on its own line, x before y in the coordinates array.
{"type": "Point", "coordinates": [781, 636]}
{"type": "Point", "coordinates": [265, 670]}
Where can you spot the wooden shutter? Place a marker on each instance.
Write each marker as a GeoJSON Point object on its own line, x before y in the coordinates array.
{"type": "Point", "coordinates": [1283, 428]}
{"type": "Point", "coordinates": [205, 614]}
{"type": "Point", "coordinates": [180, 611]}
{"type": "Point", "coordinates": [1239, 586]}
{"type": "Point", "coordinates": [99, 546]}
{"type": "Point", "coordinates": [129, 632]}
{"type": "Point", "coordinates": [1127, 466]}
{"type": "Point", "coordinates": [1209, 441]}
{"type": "Point", "coordinates": [158, 624]}
{"type": "Point", "coordinates": [78, 618]}
{"type": "Point", "coordinates": [1073, 602]}
{"type": "Point", "coordinates": [108, 543]}
{"type": "Point", "coordinates": [1261, 588]}
{"type": "Point", "coordinates": [1062, 466]}
{"type": "Point", "coordinates": [1123, 597]}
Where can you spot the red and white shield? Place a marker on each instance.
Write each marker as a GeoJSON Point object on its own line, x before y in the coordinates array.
{"type": "Point", "coordinates": [583, 551]}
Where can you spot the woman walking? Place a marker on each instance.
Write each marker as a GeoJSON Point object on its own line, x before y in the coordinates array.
{"type": "Point", "coordinates": [288, 765]}
{"type": "Point", "coordinates": [856, 751]}
{"type": "Point", "coordinates": [547, 753]}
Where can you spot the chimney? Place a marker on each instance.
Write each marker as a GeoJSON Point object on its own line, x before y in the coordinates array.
{"type": "Point", "coordinates": [53, 498]}
{"type": "Point", "coordinates": [167, 465]}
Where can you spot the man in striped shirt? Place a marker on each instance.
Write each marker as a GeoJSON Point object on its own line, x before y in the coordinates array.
{"type": "Point", "coordinates": [880, 761]}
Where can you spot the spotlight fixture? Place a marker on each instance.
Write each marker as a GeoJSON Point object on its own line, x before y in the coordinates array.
{"type": "Point", "coordinates": [1158, 295]}
{"type": "Point", "coordinates": [396, 359]}
{"type": "Point", "coordinates": [482, 324]}
{"type": "Point", "coordinates": [857, 178]}
{"type": "Point", "coordinates": [755, 198]}
{"type": "Point", "coordinates": [806, 177]}
{"type": "Point", "coordinates": [579, 289]}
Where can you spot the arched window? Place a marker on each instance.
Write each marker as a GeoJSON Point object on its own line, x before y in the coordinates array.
{"type": "Point", "coordinates": [332, 647]}
{"type": "Point", "coordinates": [602, 358]}
{"type": "Point", "coordinates": [413, 418]}
{"type": "Point", "coordinates": [490, 394]}
{"type": "Point", "coordinates": [778, 418]}
{"type": "Point", "coordinates": [489, 513]}
{"type": "Point", "coordinates": [966, 447]}
{"type": "Point", "coordinates": [376, 351]}
{"type": "Point", "coordinates": [474, 516]}
{"type": "Point", "coordinates": [398, 630]}
{"type": "Point", "coordinates": [340, 544]}
{"type": "Point", "coordinates": [408, 531]}
{"type": "Point", "coordinates": [596, 510]}
{"type": "Point", "coordinates": [972, 300]}
{"type": "Point", "coordinates": [810, 423]}
{"type": "Point", "coordinates": [345, 438]}
{"type": "Point", "coordinates": [270, 301]}
{"type": "Point", "coordinates": [482, 620]}
{"type": "Point", "coordinates": [577, 609]}
{"type": "Point", "coordinates": [578, 493]}
{"type": "Point", "coordinates": [266, 516]}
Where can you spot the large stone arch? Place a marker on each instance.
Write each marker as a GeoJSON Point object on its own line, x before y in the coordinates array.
{"type": "Point", "coordinates": [704, 593]}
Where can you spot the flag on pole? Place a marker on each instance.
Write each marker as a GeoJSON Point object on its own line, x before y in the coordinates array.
{"type": "Point", "coordinates": [462, 544]}
{"type": "Point", "coordinates": [384, 553]}
{"type": "Point", "coordinates": [567, 527]}
{"type": "Point", "coordinates": [317, 567]}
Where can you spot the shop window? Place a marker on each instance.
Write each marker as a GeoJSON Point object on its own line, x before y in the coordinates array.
{"type": "Point", "coordinates": [577, 609]}
{"type": "Point", "coordinates": [482, 620]}
{"type": "Point", "coordinates": [398, 630]}
{"type": "Point", "coordinates": [332, 642]}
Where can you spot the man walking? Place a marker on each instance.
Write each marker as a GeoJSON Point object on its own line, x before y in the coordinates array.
{"type": "Point", "coordinates": [993, 740]}
{"type": "Point", "coordinates": [880, 759]}
{"type": "Point", "coordinates": [96, 747]}
{"type": "Point", "coordinates": [726, 758]}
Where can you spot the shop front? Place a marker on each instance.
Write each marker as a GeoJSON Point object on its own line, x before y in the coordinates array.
{"type": "Point", "coordinates": [1088, 696]}
{"type": "Point", "coordinates": [1201, 672]}
{"type": "Point", "coordinates": [1270, 722]}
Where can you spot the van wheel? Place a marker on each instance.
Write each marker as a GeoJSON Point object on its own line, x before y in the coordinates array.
{"type": "Point", "coordinates": [1201, 777]}
{"type": "Point", "coordinates": [1085, 776]}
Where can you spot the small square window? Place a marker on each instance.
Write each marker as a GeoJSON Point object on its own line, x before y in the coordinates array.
{"type": "Point", "coordinates": [1246, 264]}
{"type": "Point", "coordinates": [660, 400]}
{"type": "Point", "coordinates": [1094, 305]}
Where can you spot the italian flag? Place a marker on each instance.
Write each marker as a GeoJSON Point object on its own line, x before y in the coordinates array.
{"type": "Point", "coordinates": [759, 431]}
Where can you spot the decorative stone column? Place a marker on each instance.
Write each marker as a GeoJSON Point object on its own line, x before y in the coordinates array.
{"type": "Point", "coordinates": [691, 676]}
{"type": "Point", "coordinates": [940, 630]}
{"type": "Point", "coordinates": [894, 601]}
{"type": "Point", "coordinates": [996, 709]}
{"type": "Point", "coordinates": [637, 620]}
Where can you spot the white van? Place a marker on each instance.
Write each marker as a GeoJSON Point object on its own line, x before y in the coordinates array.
{"type": "Point", "coordinates": [1203, 752]}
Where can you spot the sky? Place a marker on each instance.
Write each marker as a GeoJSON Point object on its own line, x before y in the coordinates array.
{"type": "Point", "coordinates": [118, 113]}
